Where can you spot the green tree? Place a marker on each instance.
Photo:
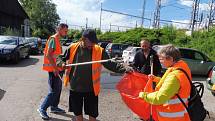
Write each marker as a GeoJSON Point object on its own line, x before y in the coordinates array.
{"type": "Point", "coordinates": [43, 16]}
{"type": "Point", "coordinates": [11, 32]}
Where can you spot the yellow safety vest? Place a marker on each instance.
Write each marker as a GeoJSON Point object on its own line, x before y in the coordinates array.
{"type": "Point", "coordinates": [174, 110]}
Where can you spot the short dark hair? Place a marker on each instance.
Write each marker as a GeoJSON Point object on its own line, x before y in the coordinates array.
{"type": "Point", "coordinates": [91, 35]}
{"type": "Point", "coordinates": [62, 25]}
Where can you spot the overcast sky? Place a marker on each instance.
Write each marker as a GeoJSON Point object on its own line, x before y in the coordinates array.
{"type": "Point", "coordinates": [80, 12]}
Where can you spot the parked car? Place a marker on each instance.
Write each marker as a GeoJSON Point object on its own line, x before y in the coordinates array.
{"type": "Point", "coordinates": [44, 43]}
{"type": "Point", "coordinates": [66, 42]}
{"type": "Point", "coordinates": [129, 53]}
{"type": "Point", "coordinates": [103, 44]}
{"type": "Point", "coordinates": [13, 48]}
{"type": "Point", "coordinates": [35, 45]}
{"type": "Point", "coordinates": [199, 63]}
{"type": "Point", "coordinates": [115, 49]}
{"type": "Point", "coordinates": [125, 46]}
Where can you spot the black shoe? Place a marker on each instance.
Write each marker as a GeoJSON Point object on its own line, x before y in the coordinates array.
{"type": "Point", "coordinates": [57, 110]}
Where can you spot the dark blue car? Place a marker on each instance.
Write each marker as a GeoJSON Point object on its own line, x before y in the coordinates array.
{"type": "Point", "coordinates": [13, 48]}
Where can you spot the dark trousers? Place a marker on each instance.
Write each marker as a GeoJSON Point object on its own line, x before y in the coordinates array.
{"type": "Point", "coordinates": [55, 87]}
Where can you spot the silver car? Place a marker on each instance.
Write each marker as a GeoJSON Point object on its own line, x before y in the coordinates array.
{"type": "Point", "coordinates": [199, 63]}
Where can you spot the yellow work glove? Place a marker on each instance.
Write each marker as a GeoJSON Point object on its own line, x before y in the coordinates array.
{"type": "Point", "coordinates": [213, 87]}
{"type": "Point", "coordinates": [141, 95]}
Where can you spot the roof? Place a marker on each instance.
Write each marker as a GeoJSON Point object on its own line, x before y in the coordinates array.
{"type": "Point", "coordinates": [12, 8]}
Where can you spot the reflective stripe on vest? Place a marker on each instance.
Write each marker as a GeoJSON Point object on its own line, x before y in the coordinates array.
{"type": "Point", "coordinates": [47, 66]}
{"type": "Point", "coordinates": [173, 109]}
{"type": "Point", "coordinates": [176, 101]}
{"type": "Point", "coordinates": [172, 115]}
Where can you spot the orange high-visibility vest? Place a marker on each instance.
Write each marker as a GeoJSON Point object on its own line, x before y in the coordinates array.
{"type": "Point", "coordinates": [96, 67]}
{"type": "Point", "coordinates": [174, 110]}
{"type": "Point", "coordinates": [47, 66]}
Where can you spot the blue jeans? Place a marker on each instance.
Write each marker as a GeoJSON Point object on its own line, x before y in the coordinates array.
{"type": "Point", "coordinates": [55, 87]}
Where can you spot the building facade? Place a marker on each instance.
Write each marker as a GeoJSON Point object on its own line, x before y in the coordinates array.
{"type": "Point", "coordinates": [13, 16]}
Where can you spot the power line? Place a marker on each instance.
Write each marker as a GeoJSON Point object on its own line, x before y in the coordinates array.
{"type": "Point", "coordinates": [135, 16]}
{"type": "Point", "coordinates": [141, 17]}
{"type": "Point", "coordinates": [121, 26]}
{"type": "Point", "coordinates": [125, 14]}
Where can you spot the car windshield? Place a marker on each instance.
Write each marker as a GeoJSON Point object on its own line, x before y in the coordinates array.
{"type": "Point", "coordinates": [129, 48]}
{"type": "Point", "coordinates": [8, 41]}
{"type": "Point", "coordinates": [31, 40]}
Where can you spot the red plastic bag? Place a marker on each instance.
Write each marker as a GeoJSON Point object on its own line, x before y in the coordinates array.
{"type": "Point", "coordinates": [129, 87]}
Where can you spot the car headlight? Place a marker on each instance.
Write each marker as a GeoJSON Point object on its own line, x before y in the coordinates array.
{"type": "Point", "coordinates": [5, 51]}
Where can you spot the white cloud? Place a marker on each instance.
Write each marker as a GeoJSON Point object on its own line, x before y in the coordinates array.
{"type": "Point", "coordinates": [204, 7]}
{"type": "Point", "coordinates": [164, 2]}
{"type": "Point", "coordinates": [75, 12]}
{"type": "Point", "coordinates": [179, 25]}
{"type": "Point", "coordinates": [189, 3]}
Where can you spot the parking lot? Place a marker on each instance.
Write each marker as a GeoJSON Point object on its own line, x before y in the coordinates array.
{"type": "Point", "coordinates": [24, 85]}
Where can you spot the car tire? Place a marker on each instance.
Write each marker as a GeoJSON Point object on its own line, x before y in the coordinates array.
{"type": "Point", "coordinates": [16, 58]}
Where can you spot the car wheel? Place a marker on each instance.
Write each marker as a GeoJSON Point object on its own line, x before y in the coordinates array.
{"type": "Point", "coordinates": [16, 58]}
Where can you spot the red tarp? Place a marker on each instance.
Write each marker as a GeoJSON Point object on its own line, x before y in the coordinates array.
{"type": "Point", "coordinates": [129, 87]}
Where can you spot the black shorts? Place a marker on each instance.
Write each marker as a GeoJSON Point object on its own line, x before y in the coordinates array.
{"type": "Point", "coordinates": [90, 101]}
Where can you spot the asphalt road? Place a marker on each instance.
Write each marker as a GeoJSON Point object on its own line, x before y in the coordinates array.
{"type": "Point", "coordinates": [23, 86]}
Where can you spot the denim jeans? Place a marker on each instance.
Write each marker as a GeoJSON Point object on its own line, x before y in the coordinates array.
{"type": "Point", "coordinates": [55, 87]}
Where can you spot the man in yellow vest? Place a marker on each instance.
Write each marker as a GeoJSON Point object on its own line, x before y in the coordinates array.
{"type": "Point", "coordinates": [85, 79]}
{"type": "Point", "coordinates": [174, 81]}
{"type": "Point", "coordinates": [52, 50]}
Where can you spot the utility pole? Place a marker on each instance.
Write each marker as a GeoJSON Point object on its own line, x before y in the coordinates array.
{"type": "Point", "coordinates": [136, 25]}
{"type": "Point", "coordinates": [143, 12]}
{"type": "Point", "coordinates": [211, 13]}
{"type": "Point", "coordinates": [100, 21]}
{"type": "Point", "coordinates": [156, 22]}
{"type": "Point", "coordinates": [194, 16]}
{"type": "Point", "coordinates": [110, 28]}
{"type": "Point", "coordinates": [86, 23]}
